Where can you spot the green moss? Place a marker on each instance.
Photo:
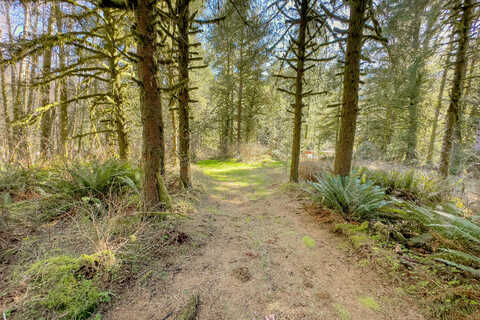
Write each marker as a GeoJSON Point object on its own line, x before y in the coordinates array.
{"type": "Point", "coordinates": [64, 287]}
{"type": "Point", "coordinates": [356, 234]}
{"type": "Point", "coordinates": [370, 303]}
{"type": "Point", "coordinates": [309, 242]}
{"type": "Point", "coordinates": [350, 229]}
{"type": "Point", "coordinates": [342, 312]}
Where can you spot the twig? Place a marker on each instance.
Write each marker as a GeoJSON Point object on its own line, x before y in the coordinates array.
{"type": "Point", "coordinates": [168, 315]}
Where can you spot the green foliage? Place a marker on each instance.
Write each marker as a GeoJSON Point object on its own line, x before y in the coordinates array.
{"type": "Point", "coordinates": [64, 287]}
{"type": "Point", "coordinates": [97, 179]}
{"type": "Point", "coordinates": [354, 198]}
{"type": "Point", "coordinates": [410, 185]}
{"type": "Point", "coordinates": [42, 209]}
{"type": "Point", "coordinates": [462, 235]}
{"type": "Point", "coordinates": [15, 180]}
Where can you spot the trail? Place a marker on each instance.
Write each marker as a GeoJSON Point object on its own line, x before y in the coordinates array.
{"type": "Point", "coordinates": [248, 261]}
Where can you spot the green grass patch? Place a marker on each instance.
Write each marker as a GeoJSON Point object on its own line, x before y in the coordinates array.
{"type": "Point", "coordinates": [342, 312]}
{"type": "Point", "coordinates": [237, 174]}
{"type": "Point", "coordinates": [370, 303]}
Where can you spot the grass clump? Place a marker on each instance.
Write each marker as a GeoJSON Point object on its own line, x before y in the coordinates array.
{"type": "Point", "coordinates": [356, 199]}
{"type": "Point", "coordinates": [65, 287]}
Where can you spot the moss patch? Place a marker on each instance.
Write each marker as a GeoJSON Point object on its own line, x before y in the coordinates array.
{"type": "Point", "coordinates": [342, 312]}
{"type": "Point", "coordinates": [65, 287]}
{"type": "Point", "coordinates": [309, 242]}
{"type": "Point", "coordinates": [370, 303]}
{"type": "Point", "coordinates": [356, 234]}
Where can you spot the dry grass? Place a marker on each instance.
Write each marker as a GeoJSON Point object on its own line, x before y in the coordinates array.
{"type": "Point", "coordinates": [252, 151]}
{"type": "Point", "coordinates": [309, 170]}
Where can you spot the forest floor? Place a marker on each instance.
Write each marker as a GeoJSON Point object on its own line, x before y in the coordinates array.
{"type": "Point", "coordinates": [255, 252]}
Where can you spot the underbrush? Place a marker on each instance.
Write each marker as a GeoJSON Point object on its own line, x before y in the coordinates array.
{"type": "Point", "coordinates": [76, 238]}
{"type": "Point", "coordinates": [411, 185]}
{"type": "Point", "coordinates": [310, 170]}
{"type": "Point", "coordinates": [432, 241]}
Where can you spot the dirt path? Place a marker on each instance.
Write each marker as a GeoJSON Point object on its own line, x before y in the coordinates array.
{"type": "Point", "coordinates": [249, 261]}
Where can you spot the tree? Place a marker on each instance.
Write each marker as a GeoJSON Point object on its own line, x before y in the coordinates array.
{"type": "Point", "coordinates": [154, 191]}
{"type": "Point", "coordinates": [302, 49]}
{"type": "Point", "coordinates": [351, 81]}
{"type": "Point", "coordinates": [465, 7]}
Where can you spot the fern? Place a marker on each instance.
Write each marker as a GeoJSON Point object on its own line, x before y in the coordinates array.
{"type": "Point", "coordinates": [354, 198]}
{"type": "Point", "coordinates": [97, 179]}
{"type": "Point", "coordinates": [453, 226]}
{"type": "Point", "coordinates": [410, 185]}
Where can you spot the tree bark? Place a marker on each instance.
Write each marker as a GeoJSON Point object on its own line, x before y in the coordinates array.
{"type": "Point", "coordinates": [183, 23]}
{"type": "Point", "coordinates": [438, 107]}
{"type": "Point", "coordinates": [348, 122]}
{"type": "Point", "coordinates": [463, 30]}
{"type": "Point", "coordinates": [47, 116]}
{"type": "Point", "coordinates": [240, 97]}
{"type": "Point", "coordinates": [62, 147]}
{"type": "Point", "coordinates": [414, 91]}
{"type": "Point", "coordinates": [154, 192]}
{"type": "Point", "coordinates": [300, 69]}
{"type": "Point", "coordinates": [6, 116]}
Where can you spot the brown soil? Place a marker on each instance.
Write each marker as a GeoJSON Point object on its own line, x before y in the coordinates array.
{"type": "Point", "coordinates": [247, 260]}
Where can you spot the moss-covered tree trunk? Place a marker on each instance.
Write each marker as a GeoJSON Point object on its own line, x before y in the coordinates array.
{"type": "Point", "coordinates": [438, 107]}
{"type": "Point", "coordinates": [183, 23]}
{"type": "Point", "coordinates": [6, 116]}
{"type": "Point", "coordinates": [414, 91]}
{"type": "Point", "coordinates": [49, 115]}
{"type": "Point", "coordinates": [62, 147]}
{"type": "Point", "coordinates": [351, 80]}
{"type": "Point", "coordinates": [154, 192]}
{"type": "Point", "coordinates": [463, 30]}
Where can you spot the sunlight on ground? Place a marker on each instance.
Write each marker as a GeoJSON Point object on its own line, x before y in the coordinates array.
{"type": "Point", "coordinates": [234, 175]}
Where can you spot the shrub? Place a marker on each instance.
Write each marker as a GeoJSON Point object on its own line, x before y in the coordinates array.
{"type": "Point", "coordinates": [354, 198]}
{"type": "Point", "coordinates": [97, 179]}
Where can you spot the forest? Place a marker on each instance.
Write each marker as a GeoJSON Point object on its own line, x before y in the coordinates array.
{"type": "Point", "coordinates": [239, 159]}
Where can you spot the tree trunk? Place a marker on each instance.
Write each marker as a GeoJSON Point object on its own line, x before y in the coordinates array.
{"type": "Point", "coordinates": [438, 107]}
{"type": "Point", "coordinates": [297, 118]}
{"type": "Point", "coordinates": [477, 139]}
{"type": "Point", "coordinates": [116, 90]}
{"type": "Point", "coordinates": [240, 97]}
{"type": "Point", "coordinates": [47, 116]}
{"type": "Point", "coordinates": [183, 95]}
{"type": "Point", "coordinates": [19, 93]}
{"type": "Point", "coordinates": [463, 30]}
{"type": "Point", "coordinates": [63, 88]}
{"type": "Point", "coordinates": [348, 122]}
{"type": "Point", "coordinates": [6, 116]}
{"type": "Point", "coordinates": [458, 155]}
{"type": "Point", "coordinates": [154, 191]}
